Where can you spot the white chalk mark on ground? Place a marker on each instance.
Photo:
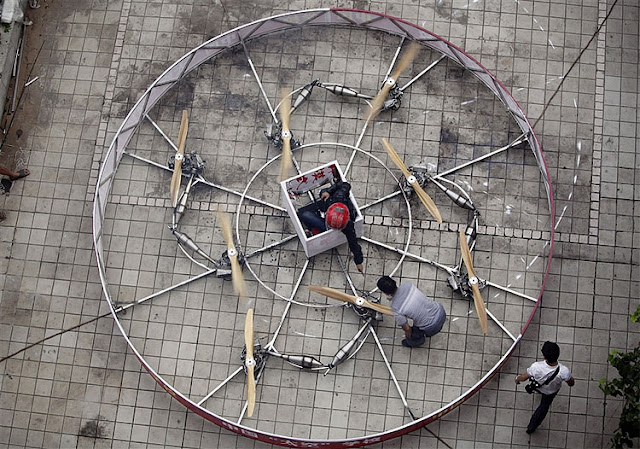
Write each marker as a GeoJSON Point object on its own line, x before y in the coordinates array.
{"type": "Point", "coordinates": [304, 335]}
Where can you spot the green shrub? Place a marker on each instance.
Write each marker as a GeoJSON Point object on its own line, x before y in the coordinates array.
{"type": "Point", "coordinates": [627, 386]}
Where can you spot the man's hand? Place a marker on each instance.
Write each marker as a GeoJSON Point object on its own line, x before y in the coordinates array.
{"type": "Point", "coordinates": [521, 378]}
{"type": "Point", "coordinates": [324, 196]}
{"type": "Point", "coordinates": [360, 268]}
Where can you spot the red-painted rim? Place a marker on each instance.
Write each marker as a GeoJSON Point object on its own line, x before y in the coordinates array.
{"type": "Point", "coordinates": [211, 48]}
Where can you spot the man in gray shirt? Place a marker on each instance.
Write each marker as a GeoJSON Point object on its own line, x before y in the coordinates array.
{"type": "Point", "coordinates": [408, 302]}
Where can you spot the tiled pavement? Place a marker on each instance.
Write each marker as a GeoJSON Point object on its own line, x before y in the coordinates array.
{"type": "Point", "coordinates": [83, 388]}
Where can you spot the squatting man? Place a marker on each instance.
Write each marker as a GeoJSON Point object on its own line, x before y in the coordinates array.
{"type": "Point", "coordinates": [407, 301]}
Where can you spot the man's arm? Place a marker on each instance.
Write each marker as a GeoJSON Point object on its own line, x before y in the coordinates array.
{"type": "Point", "coordinates": [571, 382]}
{"type": "Point", "coordinates": [407, 330]}
{"type": "Point", "coordinates": [522, 377]}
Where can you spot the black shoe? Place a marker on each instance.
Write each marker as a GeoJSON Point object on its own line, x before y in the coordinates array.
{"type": "Point", "coordinates": [412, 343]}
{"type": "Point", "coordinates": [530, 431]}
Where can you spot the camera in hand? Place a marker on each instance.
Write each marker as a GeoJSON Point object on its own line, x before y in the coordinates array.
{"type": "Point", "coordinates": [532, 386]}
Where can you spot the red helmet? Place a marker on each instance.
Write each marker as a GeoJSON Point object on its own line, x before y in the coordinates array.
{"type": "Point", "coordinates": [337, 216]}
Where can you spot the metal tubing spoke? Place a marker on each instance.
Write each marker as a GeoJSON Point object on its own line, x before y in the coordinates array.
{"type": "Point", "coordinates": [233, 192]}
{"type": "Point", "coordinates": [255, 74]}
{"type": "Point", "coordinates": [270, 246]}
{"type": "Point", "coordinates": [518, 141]}
{"type": "Point", "coordinates": [286, 310]}
{"type": "Point", "coordinates": [408, 254]}
{"type": "Point", "coordinates": [222, 384]}
{"type": "Point", "coordinates": [513, 292]}
{"type": "Point", "coordinates": [155, 125]}
{"type": "Point", "coordinates": [149, 161]}
{"type": "Point", "coordinates": [391, 373]}
{"type": "Point", "coordinates": [380, 200]}
{"type": "Point", "coordinates": [165, 290]}
{"type": "Point", "coordinates": [346, 272]}
{"type": "Point", "coordinates": [419, 75]}
{"type": "Point", "coordinates": [506, 331]}
{"type": "Point", "coordinates": [395, 57]}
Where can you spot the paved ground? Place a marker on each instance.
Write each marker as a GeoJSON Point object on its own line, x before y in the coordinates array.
{"type": "Point", "coordinates": [84, 388]}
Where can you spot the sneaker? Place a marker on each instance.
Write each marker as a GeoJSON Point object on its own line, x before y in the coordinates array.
{"type": "Point", "coordinates": [405, 343]}
{"type": "Point", "coordinates": [530, 431]}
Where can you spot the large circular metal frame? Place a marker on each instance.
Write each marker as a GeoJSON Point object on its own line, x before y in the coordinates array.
{"type": "Point", "coordinates": [196, 57]}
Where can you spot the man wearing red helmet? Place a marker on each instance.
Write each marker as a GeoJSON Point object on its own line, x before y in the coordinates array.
{"type": "Point", "coordinates": [339, 211]}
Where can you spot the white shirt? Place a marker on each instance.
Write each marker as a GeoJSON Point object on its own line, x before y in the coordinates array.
{"type": "Point", "coordinates": [541, 371]}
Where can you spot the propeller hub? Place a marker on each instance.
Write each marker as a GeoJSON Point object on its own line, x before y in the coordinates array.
{"type": "Point", "coordinates": [179, 157]}
{"type": "Point", "coordinates": [359, 301]}
{"type": "Point", "coordinates": [250, 362]}
{"type": "Point", "coordinates": [473, 281]}
{"type": "Point", "coordinates": [286, 134]}
{"type": "Point", "coordinates": [231, 252]}
{"type": "Point", "coordinates": [411, 179]}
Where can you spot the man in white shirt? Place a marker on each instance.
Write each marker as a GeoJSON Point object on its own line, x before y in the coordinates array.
{"type": "Point", "coordinates": [407, 301]}
{"type": "Point", "coordinates": [550, 381]}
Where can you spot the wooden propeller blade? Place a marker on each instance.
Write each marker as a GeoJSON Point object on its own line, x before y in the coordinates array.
{"type": "Point", "coordinates": [285, 107]}
{"type": "Point", "coordinates": [342, 296]}
{"type": "Point", "coordinates": [285, 114]}
{"type": "Point", "coordinates": [378, 101]}
{"type": "Point", "coordinates": [237, 277]}
{"type": "Point", "coordinates": [287, 159]}
{"type": "Point", "coordinates": [424, 196]}
{"type": "Point", "coordinates": [406, 59]}
{"type": "Point", "coordinates": [480, 307]}
{"type": "Point", "coordinates": [477, 296]}
{"type": "Point", "coordinates": [393, 155]}
{"type": "Point", "coordinates": [403, 63]}
{"type": "Point", "coordinates": [251, 381]}
{"type": "Point", "coordinates": [427, 201]}
{"type": "Point", "coordinates": [466, 254]}
{"type": "Point", "coordinates": [176, 178]}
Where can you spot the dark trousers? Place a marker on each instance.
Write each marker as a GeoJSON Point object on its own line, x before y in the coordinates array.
{"type": "Point", "coordinates": [417, 337]}
{"type": "Point", "coordinates": [312, 220]}
{"type": "Point", "coordinates": [541, 411]}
